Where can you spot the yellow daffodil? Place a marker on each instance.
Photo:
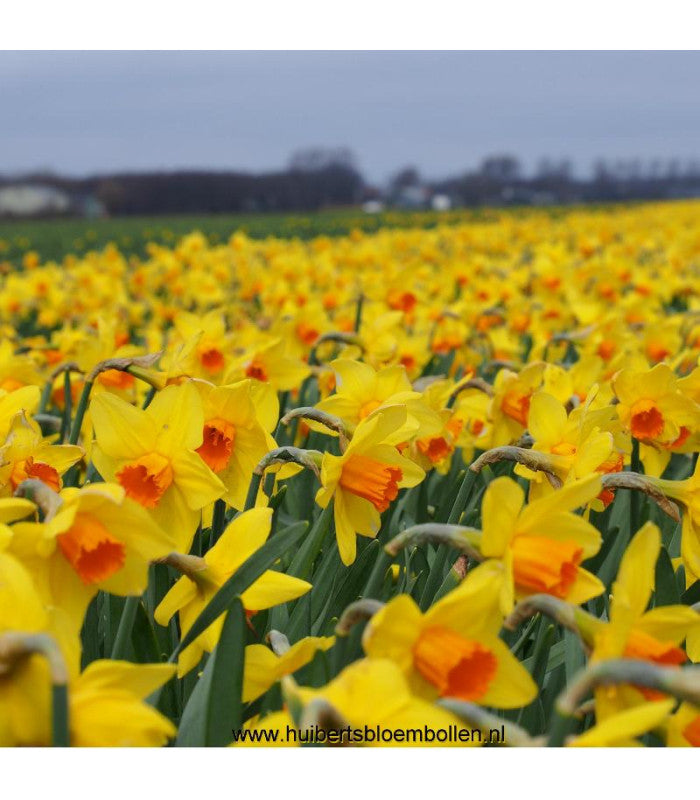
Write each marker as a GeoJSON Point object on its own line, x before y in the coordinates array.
{"type": "Point", "coordinates": [26, 454]}
{"type": "Point", "coordinates": [541, 545]}
{"type": "Point", "coordinates": [372, 695]}
{"type": "Point", "coordinates": [233, 439]}
{"type": "Point", "coordinates": [263, 667]}
{"type": "Point", "coordinates": [634, 632]}
{"type": "Point", "coordinates": [188, 597]}
{"type": "Point", "coordinates": [366, 478]}
{"type": "Point", "coordinates": [97, 539]}
{"type": "Point", "coordinates": [153, 455]}
{"type": "Point", "coordinates": [453, 650]}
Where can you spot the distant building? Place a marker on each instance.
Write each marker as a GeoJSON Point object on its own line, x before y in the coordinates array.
{"type": "Point", "coordinates": [441, 202]}
{"type": "Point", "coordinates": [33, 201]}
{"type": "Point", "coordinates": [373, 207]}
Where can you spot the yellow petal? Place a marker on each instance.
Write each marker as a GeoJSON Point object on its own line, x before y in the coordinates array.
{"type": "Point", "coordinates": [122, 431]}
{"type": "Point", "coordinates": [635, 577]}
{"type": "Point", "coordinates": [500, 508]}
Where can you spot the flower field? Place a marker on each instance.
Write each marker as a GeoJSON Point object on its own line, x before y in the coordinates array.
{"type": "Point", "coordinates": [412, 485]}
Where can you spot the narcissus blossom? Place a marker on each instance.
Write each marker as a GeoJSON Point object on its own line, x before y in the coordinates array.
{"type": "Point", "coordinates": [193, 591]}
{"type": "Point", "coordinates": [366, 478]}
{"type": "Point", "coordinates": [453, 649]}
{"type": "Point", "coordinates": [153, 455]}
{"type": "Point", "coordinates": [98, 539]}
{"type": "Point", "coordinates": [541, 545]}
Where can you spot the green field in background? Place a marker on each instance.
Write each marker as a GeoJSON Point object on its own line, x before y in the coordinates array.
{"type": "Point", "coordinates": [53, 239]}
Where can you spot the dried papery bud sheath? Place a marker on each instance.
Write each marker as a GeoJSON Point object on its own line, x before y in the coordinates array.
{"type": "Point", "coordinates": [532, 459]}
{"type": "Point", "coordinates": [565, 614]}
{"type": "Point", "coordinates": [139, 366]}
{"type": "Point", "coordinates": [310, 459]}
{"type": "Point", "coordinates": [641, 483]}
{"type": "Point", "coordinates": [456, 536]}
{"type": "Point", "coordinates": [66, 366]}
{"type": "Point", "coordinates": [319, 714]}
{"type": "Point", "coordinates": [278, 642]}
{"type": "Point", "coordinates": [358, 611]}
{"type": "Point", "coordinates": [331, 422]}
{"type": "Point", "coordinates": [477, 717]}
{"type": "Point", "coordinates": [339, 337]}
{"type": "Point", "coordinates": [42, 495]}
{"type": "Point", "coordinates": [16, 646]}
{"type": "Point", "coordinates": [191, 566]}
{"type": "Point", "coordinates": [682, 683]}
{"type": "Point", "coordinates": [474, 383]}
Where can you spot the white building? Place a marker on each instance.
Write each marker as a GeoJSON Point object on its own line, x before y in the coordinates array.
{"type": "Point", "coordinates": [31, 201]}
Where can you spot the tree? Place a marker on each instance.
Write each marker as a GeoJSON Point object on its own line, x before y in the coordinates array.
{"type": "Point", "coordinates": [500, 168]}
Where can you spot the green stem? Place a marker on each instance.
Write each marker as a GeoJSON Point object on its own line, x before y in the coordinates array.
{"type": "Point", "coordinates": [253, 489]}
{"type": "Point", "coordinates": [517, 647]}
{"type": "Point", "coordinates": [80, 413]}
{"type": "Point", "coordinates": [67, 405]}
{"type": "Point", "coordinates": [635, 498]}
{"type": "Point", "coordinates": [59, 717]}
{"type": "Point", "coordinates": [559, 730]}
{"type": "Point", "coordinates": [126, 623]}
{"type": "Point", "coordinates": [45, 396]}
{"type": "Point", "coordinates": [436, 575]}
{"type": "Point", "coordinates": [358, 313]}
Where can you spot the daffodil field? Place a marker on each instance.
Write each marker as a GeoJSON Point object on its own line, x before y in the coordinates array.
{"type": "Point", "coordinates": [395, 487]}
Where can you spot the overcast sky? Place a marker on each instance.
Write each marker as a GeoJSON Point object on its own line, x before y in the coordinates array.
{"type": "Point", "coordinates": [84, 112]}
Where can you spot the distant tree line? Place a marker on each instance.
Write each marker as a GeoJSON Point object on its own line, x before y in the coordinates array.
{"type": "Point", "coordinates": [500, 178]}
{"type": "Point", "coordinates": [321, 177]}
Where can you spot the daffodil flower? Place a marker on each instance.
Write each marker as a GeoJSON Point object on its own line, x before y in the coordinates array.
{"type": "Point", "coordinates": [26, 454]}
{"type": "Point", "coordinates": [98, 539]}
{"type": "Point", "coordinates": [366, 478]}
{"type": "Point", "coordinates": [263, 667]}
{"type": "Point", "coordinates": [108, 708]}
{"type": "Point", "coordinates": [578, 444]}
{"type": "Point", "coordinates": [370, 692]}
{"type": "Point", "coordinates": [193, 591]}
{"type": "Point", "coordinates": [25, 399]}
{"type": "Point", "coordinates": [233, 438]}
{"type": "Point", "coordinates": [540, 546]}
{"type": "Point", "coordinates": [510, 404]}
{"type": "Point", "coordinates": [623, 728]}
{"type": "Point", "coordinates": [634, 632]}
{"type": "Point", "coordinates": [269, 363]}
{"type": "Point", "coordinates": [152, 455]}
{"type": "Point", "coordinates": [360, 390]}
{"type": "Point", "coordinates": [683, 728]}
{"type": "Point", "coordinates": [655, 412]}
{"type": "Point", "coordinates": [686, 492]}
{"type": "Point", "coordinates": [453, 649]}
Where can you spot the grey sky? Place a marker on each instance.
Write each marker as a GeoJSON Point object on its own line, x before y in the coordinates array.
{"type": "Point", "coordinates": [82, 112]}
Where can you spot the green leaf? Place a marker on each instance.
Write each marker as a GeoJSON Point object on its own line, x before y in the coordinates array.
{"type": "Point", "coordinates": [691, 595]}
{"type": "Point", "coordinates": [666, 588]}
{"type": "Point", "coordinates": [215, 707]}
{"type": "Point", "coordinates": [610, 566]}
{"type": "Point", "coordinates": [249, 571]}
{"type": "Point", "coordinates": [349, 588]}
